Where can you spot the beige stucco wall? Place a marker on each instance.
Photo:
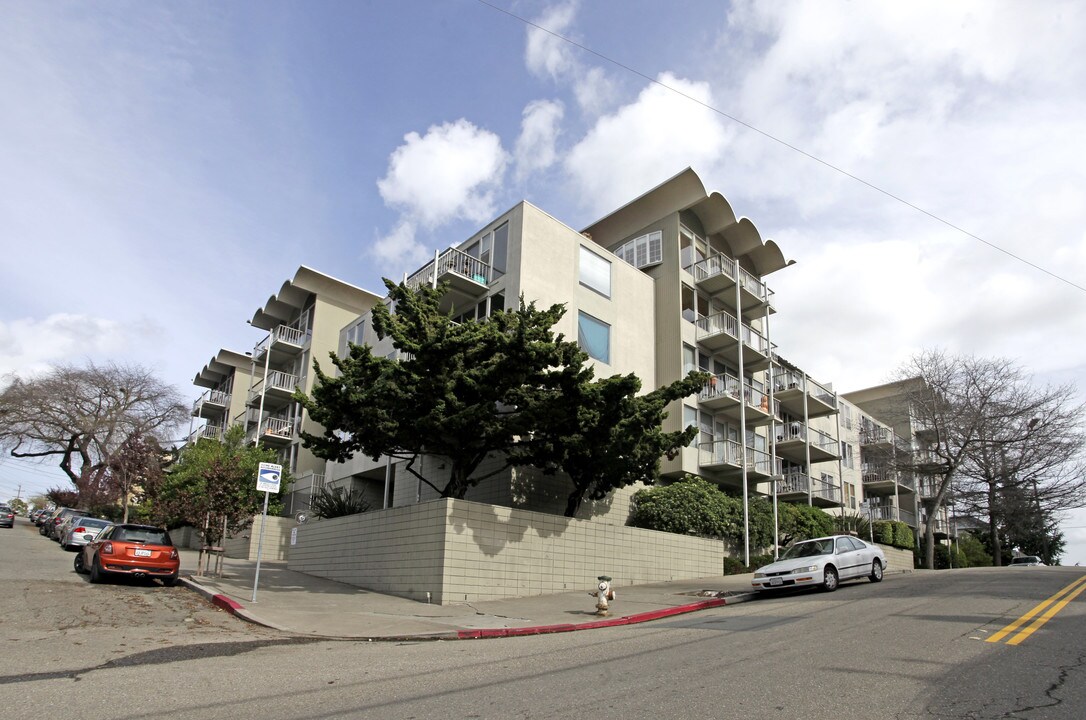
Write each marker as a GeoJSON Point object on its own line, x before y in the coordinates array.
{"type": "Point", "coordinates": [460, 551]}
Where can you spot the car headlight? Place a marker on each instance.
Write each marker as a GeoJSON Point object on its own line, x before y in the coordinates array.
{"type": "Point", "coordinates": [759, 575]}
{"type": "Point", "coordinates": [804, 569]}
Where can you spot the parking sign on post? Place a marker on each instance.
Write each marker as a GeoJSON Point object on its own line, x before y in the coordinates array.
{"type": "Point", "coordinates": [267, 481]}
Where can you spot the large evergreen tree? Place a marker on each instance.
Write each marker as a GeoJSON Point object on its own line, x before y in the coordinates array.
{"type": "Point", "coordinates": [504, 386]}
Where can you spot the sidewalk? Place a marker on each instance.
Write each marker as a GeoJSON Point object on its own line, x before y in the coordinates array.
{"type": "Point", "coordinates": [303, 604]}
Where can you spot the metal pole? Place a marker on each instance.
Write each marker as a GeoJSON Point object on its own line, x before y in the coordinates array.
{"type": "Point", "coordinates": [260, 544]}
{"type": "Point", "coordinates": [388, 479]}
{"type": "Point", "coordinates": [743, 411]}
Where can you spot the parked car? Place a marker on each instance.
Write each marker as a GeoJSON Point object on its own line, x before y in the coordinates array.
{"type": "Point", "coordinates": [133, 550]}
{"type": "Point", "coordinates": [53, 524]}
{"type": "Point", "coordinates": [40, 518]}
{"type": "Point", "coordinates": [81, 530]}
{"type": "Point", "coordinates": [822, 562]}
{"type": "Point", "coordinates": [7, 516]}
{"type": "Point", "coordinates": [1027, 560]}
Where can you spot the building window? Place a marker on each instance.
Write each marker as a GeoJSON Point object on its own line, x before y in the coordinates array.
{"type": "Point", "coordinates": [642, 251]}
{"type": "Point", "coordinates": [497, 303]}
{"type": "Point", "coordinates": [846, 455]}
{"type": "Point", "coordinates": [690, 359]}
{"type": "Point", "coordinates": [595, 272]}
{"type": "Point", "coordinates": [500, 250]}
{"type": "Point", "coordinates": [690, 418]}
{"type": "Point", "coordinates": [846, 416]}
{"type": "Point", "coordinates": [594, 337]}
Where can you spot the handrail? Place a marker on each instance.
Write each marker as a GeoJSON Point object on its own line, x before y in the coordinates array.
{"type": "Point", "coordinates": [752, 284]}
{"type": "Point", "coordinates": [718, 385]}
{"type": "Point", "coordinates": [716, 264]}
{"type": "Point", "coordinates": [450, 261]}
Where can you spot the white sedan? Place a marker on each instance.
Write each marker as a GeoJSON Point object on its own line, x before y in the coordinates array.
{"type": "Point", "coordinates": [824, 562]}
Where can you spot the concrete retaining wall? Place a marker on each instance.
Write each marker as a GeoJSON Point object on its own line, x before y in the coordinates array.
{"type": "Point", "coordinates": [454, 551]}
{"type": "Point", "coordinates": [276, 540]}
{"type": "Point", "coordinates": [897, 560]}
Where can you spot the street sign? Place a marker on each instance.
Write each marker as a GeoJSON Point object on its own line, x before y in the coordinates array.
{"type": "Point", "coordinates": [267, 477]}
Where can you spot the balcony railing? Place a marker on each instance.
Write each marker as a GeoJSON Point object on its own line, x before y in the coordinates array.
{"type": "Point", "coordinates": [822, 441]}
{"type": "Point", "coordinates": [753, 285]}
{"type": "Point", "coordinates": [721, 322]}
{"type": "Point", "coordinates": [720, 452]}
{"type": "Point", "coordinates": [797, 483]}
{"type": "Point", "coordinates": [821, 392]}
{"type": "Point", "coordinates": [281, 335]}
{"type": "Point", "coordinates": [280, 427]}
{"type": "Point", "coordinates": [209, 431]}
{"type": "Point", "coordinates": [211, 399]}
{"type": "Point", "coordinates": [720, 385]}
{"type": "Point", "coordinates": [451, 261]}
{"type": "Point", "coordinates": [712, 266]}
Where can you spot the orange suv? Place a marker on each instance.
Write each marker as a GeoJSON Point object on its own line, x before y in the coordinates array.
{"type": "Point", "coordinates": [141, 551]}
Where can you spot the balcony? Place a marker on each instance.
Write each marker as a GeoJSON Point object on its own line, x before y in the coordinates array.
{"type": "Point", "coordinates": [277, 432]}
{"type": "Point", "coordinates": [796, 439]}
{"type": "Point", "coordinates": [721, 333]}
{"type": "Point", "coordinates": [716, 276]}
{"type": "Point", "coordinates": [209, 431]}
{"type": "Point", "coordinates": [283, 342]}
{"type": "Point", "coordinates": [277, 389]}
{"type": "Point", "coordinates": [726, 458]}
{"type": "Point", "coordinates": [800, 486]}
{"type": "Point", "coordinates": [721, 395]}
{"type": "Point", "coordinates": [884, 480]}
{"type": "Point", "coordinates": [890, 512]}
{"type": "Point", "coordinates": [467, 278]}
{"type": "Point", "coordinates": [212, 404]}
{"type": "Point", "coordinates": [801, 396]}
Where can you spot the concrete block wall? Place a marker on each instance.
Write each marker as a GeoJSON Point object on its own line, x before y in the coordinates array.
{"type": "Point", "coordinates": [454, 551]}
{"type": "Point", "coordinates": [399, 551]}
{"type": "Point", "coordinates": [276, 540]}
{"type": "Point", "coordinates": [897, 560]}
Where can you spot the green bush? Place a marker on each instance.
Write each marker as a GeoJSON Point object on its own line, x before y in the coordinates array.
{"type": "Point", "coordinates": [884, 532]}
{"type": "Point", "coordinates": [337, 502]}
{"type": "Point", "coordinates": [973, 551]}
{"type": "Point", "coordinates": [735, 566]}
{"type": "Point", "coordinates": [903, 536]}
{"type": "Point", "coordinates": [802, 522]}
{"type": "Point", "coordinates": [853, 523]}
{"type": "Point", "coordinates": [942, 557]}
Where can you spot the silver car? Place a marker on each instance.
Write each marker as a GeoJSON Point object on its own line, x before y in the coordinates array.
{"type": "Point", "coordinates": [822, 562]}
{"type": "Point", "coordinates": [80, 531]}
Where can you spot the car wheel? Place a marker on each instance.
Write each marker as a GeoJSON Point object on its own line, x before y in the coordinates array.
{"type": "Point", "coordinates": [830, 580]}
{"type": "Point", "coordinates": [876, 571]}
{"type": "Point", "coordinates": [78, 564]}
{"type": "Point", "coordinates": [169, 581]}
{"type": "Point", "coordinates": [95, 572]}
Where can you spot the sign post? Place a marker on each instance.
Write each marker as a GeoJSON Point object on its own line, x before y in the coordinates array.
{"type": "Point", "coordinates": [267, 479]}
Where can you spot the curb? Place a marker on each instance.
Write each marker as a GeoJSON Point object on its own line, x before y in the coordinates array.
{"type": "Point", "coordinates": [238, 610]}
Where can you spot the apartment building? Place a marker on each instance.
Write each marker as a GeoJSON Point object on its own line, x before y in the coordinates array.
{"type": "Point", "coordinates": [669, 283]}
{"type": "Point", "coordinates": [303, 321]}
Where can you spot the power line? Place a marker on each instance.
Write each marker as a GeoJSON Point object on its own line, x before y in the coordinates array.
{"type": "Point", "coordinates": [785, 143]}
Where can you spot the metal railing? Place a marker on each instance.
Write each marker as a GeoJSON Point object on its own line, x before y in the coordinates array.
{"type": "Point", "coordinates": [450, 261]}
{"type": "Point", "coordinates": [823, 441]}
{"type": "Point", "coordinates": [720, 452]}
{"type": "Point", "coordinates": [720, 385]}
{"type": "Point", "coordinates": [209, 431]}
{"type": "Point", "coordinates": [821, 392]}
{"type": "Point", "coordinates": [280, 427]}
{"type": "Point", "coordinates": [717, 264]}
{"type": "Point", "coordinates": [802, 483]}
{"type": "Point", "coordinates": [282, 334]}
{"type": "Point", "coordinates": [721, 322]}
{"type": "Point", "coordinates": [752, 284]}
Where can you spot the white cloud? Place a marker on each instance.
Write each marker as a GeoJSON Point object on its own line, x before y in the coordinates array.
{"type": "Point", "coordinates": [545, 54]}
{"type": "Point", "coordinates": [645, 142]}
{"type": "Point", "coordinates": [535, 148]}
{"type": "Point", "coordinates": [399, 250]}
{"type": "Point", "coordinates": [448, 174]}
{"type": "Point", "coordinates": [29, 347]}
{"type": "Point", "coordinates": [549, 56]}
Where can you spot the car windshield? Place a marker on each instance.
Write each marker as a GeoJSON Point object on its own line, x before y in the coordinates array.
{"type": "Point", "coordinates": [150, 536]}
{"type": "Point", "coordinates": [96, 524]}
{"type": "Point", "coordinates": [809, 548]}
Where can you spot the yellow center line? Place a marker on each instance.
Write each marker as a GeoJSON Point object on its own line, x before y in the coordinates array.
{"type": "Point", "coordinates": [1071, 591]}
{"type": "Point", "coordinates": [1049, 614]}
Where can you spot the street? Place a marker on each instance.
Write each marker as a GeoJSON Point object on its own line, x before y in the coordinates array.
{"type": "Point", "coordinates": [912, 646]}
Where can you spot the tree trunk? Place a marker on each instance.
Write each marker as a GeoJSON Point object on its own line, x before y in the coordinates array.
{"type": "Point", "coordinates": [993, 528]}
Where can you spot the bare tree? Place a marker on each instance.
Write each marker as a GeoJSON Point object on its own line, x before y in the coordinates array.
{"type": "Point", "coordinates": [82, 416]}
{"type": "Point", "coordinates": [137, 464]}
{"type": "Point", "coordinates": [960, 406]}
{"type": "Point", "coordinates": [1038, 473]}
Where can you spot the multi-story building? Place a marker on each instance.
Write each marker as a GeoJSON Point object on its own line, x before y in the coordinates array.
{"type": "Point", "coordinates": [669, 283]}
{"type": "Point", "coordinates": [303, 322]}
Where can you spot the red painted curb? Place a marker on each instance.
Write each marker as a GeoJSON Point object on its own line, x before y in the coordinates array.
{"type": "Point", "coordinates": [226, 604]}
{"type": "Point", "coordinates": [610, 622]}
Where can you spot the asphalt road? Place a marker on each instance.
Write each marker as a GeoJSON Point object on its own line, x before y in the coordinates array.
{"type": "Point", "coordinates": [913, 646]}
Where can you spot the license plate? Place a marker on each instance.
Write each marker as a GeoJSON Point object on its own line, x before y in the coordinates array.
{"type": "Point", "coordinates": [142, 553]}
{"type": "Point", "coordinates": [775, 581]}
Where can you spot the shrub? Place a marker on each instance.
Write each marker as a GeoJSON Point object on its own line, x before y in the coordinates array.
{"type": "Point", "coordinates": [337, 502]}
{"type": "Point", "coordinates": [884, 532]}
{"type": "Point", "coordinates": [735, 566]}
{"type": "Point", "coordinates": [852, 523]}
{"type": "Point", "coordinates": [973, 551]}
{"type": "Point", "coordinates": [802, 522]}
{"type": "Point", "coordinates": [903, 536]}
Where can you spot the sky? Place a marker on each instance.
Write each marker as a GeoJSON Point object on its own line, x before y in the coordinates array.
{"type": "Point", "coordinates": [165, 166]}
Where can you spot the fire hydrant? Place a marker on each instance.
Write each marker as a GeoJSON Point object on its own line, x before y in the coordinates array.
{"type": "Point", "coordinates": [604, 594]}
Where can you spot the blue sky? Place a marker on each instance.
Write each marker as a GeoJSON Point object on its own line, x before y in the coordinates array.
{"type": "Point", "coordinates": [165, 166]}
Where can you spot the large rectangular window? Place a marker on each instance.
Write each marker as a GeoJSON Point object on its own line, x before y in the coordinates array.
{"type": "Point", "coordinates": [594, 337]}
{"type": "Point", "coordinates": [595, 272]}
{"type": "Point", "coordinates": [690, 418]}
